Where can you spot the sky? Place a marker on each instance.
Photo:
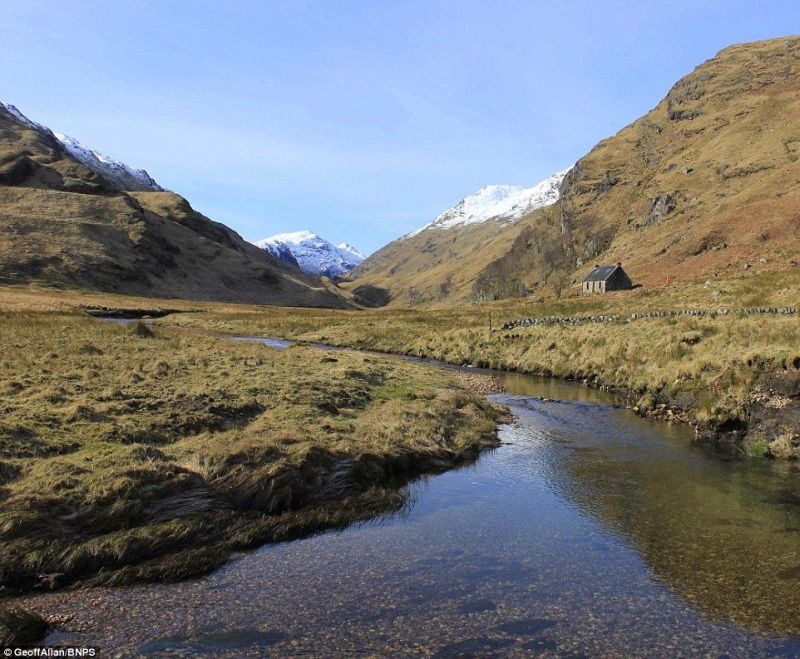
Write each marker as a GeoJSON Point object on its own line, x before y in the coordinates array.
{"type": "Point", "coordinates": [357, 120]}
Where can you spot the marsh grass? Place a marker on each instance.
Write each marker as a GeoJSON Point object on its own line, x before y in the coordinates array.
{"type": "Point", "coordinates": [131, 452]}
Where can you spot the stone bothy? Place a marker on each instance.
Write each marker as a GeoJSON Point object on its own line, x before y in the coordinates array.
{"type": "Point", "coordinates": [605, 278]}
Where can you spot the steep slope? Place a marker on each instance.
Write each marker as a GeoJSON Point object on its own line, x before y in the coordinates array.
{"type": "Point", "coordinates": [450, 259]}
{"type": "Point", "coordinates": [706, 184]}
{"type": "Point", "coordinates": [312, 254]}
{"type": "Point", "coordinates": [74, 218]}
{"type": "Point", "coordinates": [114, 171]}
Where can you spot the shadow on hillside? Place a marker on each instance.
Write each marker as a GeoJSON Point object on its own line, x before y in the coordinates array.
{"type": "Point", "coordinates": [372, 296]}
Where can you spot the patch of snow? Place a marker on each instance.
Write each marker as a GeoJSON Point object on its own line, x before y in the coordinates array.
{"type": "Point", "coordinates": [313, 254]}
{"type": "Point", "coordinates": [498, 202]}
{"type": "Point", "coordinates": [117, 173]}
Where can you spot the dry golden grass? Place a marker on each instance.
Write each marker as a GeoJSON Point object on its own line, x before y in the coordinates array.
{"type": "Point", "coordinates": [708, 368]}
{"type": "Point", "coordinates": [155, 453]}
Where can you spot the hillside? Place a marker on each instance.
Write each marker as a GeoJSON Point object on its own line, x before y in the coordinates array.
{"type": "Point", "coordinates": [452, 257]}
{"type": "Point", "coordinates": [71, 217]}
{"type": "Point", "coordinates": [707, 184]}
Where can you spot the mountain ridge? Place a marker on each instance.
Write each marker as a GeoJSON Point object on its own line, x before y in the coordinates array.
{"type": "Point", "coordinates": [497, 202]}
{"type": "Point", "coordinates": [122, 175]}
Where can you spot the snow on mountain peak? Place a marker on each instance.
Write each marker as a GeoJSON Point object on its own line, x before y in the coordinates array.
{"type": "Point", "coordinates": [498, 202]}
{"type": "Point", "coordinates": [347, 247]}
{"type": "Point", "coordinates": [313, 254]}
{"type": "Point", "coordinates": [117, 173]}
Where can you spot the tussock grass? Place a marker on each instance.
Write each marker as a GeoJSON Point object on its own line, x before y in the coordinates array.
{"type": "Point", "coordinates": [131, 452]}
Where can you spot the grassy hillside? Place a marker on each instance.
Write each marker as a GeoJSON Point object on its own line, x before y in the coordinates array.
{"type": "Point", "coordinates": [704, 186]}
{"type": "Point", "coordinates": [435, 266]}
{"type": "Point", "coordinates": [707, 183]}
{"type": "Point", "coordinates": [65, 225]}
{"type": "Point", "coordinates": [130, 454]}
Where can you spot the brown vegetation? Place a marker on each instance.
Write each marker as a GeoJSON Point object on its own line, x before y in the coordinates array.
{"type": "Point", "coordinates": [133, 452]}
{"type": "Point", "coordinates": [65, 225]}
{"type": "Point", "coordinates": [717, 372]}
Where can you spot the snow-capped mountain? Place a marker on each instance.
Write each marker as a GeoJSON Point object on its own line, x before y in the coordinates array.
{"type": "Point", "coordinates": [117, 173]}
{"type": "Point", "coordinates": [498, 202]}
{"type": "Point", "coordinates": [313, 254]}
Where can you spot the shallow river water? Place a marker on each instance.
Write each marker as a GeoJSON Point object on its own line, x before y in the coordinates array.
{"type": "Point", "coordinates": [589, 532]}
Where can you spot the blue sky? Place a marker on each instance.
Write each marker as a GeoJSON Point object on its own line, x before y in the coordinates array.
{"type": "Point", "coordinates": [357, 120]}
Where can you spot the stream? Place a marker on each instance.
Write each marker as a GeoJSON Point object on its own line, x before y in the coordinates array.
{"type": "Point", "coordinates": [588, 532]}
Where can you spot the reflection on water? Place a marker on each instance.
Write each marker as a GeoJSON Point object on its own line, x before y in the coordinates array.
{"type": "Point", "coordinates": [267, 341]}
{"type": "Point", "coordinates": [592, 532]}
{"type": "Point", "coordinates": [723, 534]}
{"type": "Point", "coordinates": [542, 387]}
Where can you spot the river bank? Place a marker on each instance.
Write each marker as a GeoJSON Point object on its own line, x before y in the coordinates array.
{"type": "Point", "coordinates": [570, 539]}
{"type": "Point", "coordinates": [140, 453]}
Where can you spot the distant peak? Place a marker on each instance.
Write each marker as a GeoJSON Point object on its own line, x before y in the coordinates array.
{"type": "Point", "coordinates": [313, 254]}
{"type": "Point", "coordinates": [347, 247]}
{"type": "Point", "coordinates": [294, 237]}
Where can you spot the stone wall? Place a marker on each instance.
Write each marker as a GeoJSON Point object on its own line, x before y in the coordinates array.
{"type": "Point", "coordinates": [547, 321]}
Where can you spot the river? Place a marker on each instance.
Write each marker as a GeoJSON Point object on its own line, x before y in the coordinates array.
{"type": "Point", "coordinates": [588, 532]}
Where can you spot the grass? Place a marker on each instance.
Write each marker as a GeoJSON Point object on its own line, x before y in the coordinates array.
{"type": "Point", "coordinates": [131, 453]}
{"type": "Point", "coordinates": [154, 451]}
{"type": "Point", "coordinates": [713, 372]}
{"type": "Point", "coordinates": [755, 447]}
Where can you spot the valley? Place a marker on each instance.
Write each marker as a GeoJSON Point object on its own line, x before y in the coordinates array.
{"type": "Point", "coordinates": [469, 454]}
{"type": "Point", "coordinates": [703, 186]}
{"type": "Point", "coordinates": [736, 371]}
{"type": "Point", "coordinates": [210, 471]}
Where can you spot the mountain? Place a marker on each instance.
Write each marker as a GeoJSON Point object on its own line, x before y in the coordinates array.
{"type": "Point", "coordinates": [312, 254]}
{"type": "Point", "coordinates": [72, 217]}
{"type": "Point", "coordinates": [446, 260]}
{"type": "Point", "coordinates": [124, 177]}
{"type": "Point", "coordinates": [705, 185]}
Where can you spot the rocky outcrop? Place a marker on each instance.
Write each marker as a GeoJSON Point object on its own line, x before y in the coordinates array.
{"type": "Point", "coordinates": [662, 206]}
